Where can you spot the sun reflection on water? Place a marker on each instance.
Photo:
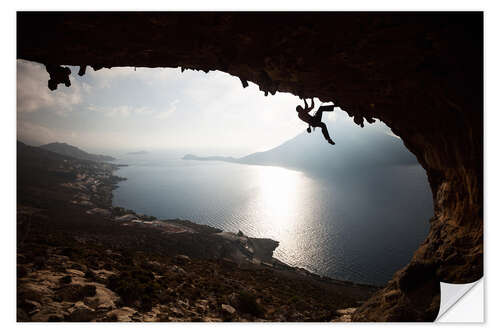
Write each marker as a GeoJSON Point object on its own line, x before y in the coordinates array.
{"type": "Point", "coordinates": [278, 207]}
{"type": "Point", "coordinates": [278, 192]}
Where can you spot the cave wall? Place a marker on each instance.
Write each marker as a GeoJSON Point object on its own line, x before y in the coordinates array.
{"type": "Point", "coordinates": [420, 73]}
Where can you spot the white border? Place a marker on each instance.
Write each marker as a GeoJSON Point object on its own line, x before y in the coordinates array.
{"type": "Point", "coordinates": [8, 124]}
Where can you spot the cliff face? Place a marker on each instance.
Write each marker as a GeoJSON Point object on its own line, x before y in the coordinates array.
{"type": "Point", "coordinates": [419, 73]}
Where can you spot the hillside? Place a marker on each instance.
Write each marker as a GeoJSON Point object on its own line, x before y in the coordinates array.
{"type": "Point", "coordinates": [72, 151]}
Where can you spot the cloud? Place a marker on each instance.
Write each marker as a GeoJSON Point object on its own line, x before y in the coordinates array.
{"type": "Point", "coordinates": [87, 88]}
{"type": "Point", "coordinates": [36, 134]}
{"type": "Point", "coordinates": [332, 116]}
{"type": "Point", "coordinates": [34, 95]}
{"type": "Point", "coordinates": [105, 77]}
{"type": "Point", "coordinates": [165, 114]}
{"type": "Point", "coordinates": [121, 111]}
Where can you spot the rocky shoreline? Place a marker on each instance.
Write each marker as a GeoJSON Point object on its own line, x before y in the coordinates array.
{"type": "Point", "coordinates": [94, 188]}
{"type": "Point", "coordinates": [81, 259]}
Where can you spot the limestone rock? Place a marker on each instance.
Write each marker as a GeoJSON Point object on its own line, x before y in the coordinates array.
{"type": "Point", "coordinates": [126, 218]}
{"type": "Point", "coordinates": [104, 299]}
{"type": "Point", "coordinates": [99, 211]}
{"type": "Point", "coordinates": [176, 311]}
{"type": "Point", "coordinates": [52, 311]}
{"type": "Point", "coordinates": [177, 269]}
{"type": "Point", "coordinates": [122, 314]}
{"type": "Point", "coordinates": [81, 312]}
{"type": "Point", "coordinates": [182, 259]}
{"type": "Point", "coordinates": [228, 309]}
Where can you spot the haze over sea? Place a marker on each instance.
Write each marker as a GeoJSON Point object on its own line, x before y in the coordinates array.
{"type": "Point", "coordinates": [361, 227]}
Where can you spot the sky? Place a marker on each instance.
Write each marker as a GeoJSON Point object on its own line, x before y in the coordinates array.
{"type": "Point", "coordinates": [127, 109]}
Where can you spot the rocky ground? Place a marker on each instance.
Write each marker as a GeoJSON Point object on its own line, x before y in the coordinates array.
{"type": "Point", "coordinates": [80, 259]}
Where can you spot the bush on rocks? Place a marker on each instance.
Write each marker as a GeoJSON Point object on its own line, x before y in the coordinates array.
{"type": "Point", "coordinates": [247, 303]}
{"type": "Point", "coordinates": [135, 286]}
{"type": "Point", "coordinates": [74, 293]}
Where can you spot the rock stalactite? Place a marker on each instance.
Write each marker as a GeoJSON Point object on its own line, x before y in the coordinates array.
{"type": "Point", "coordinates": [420, 73]}
{"type": "Point", "coordinates": [58, 74]}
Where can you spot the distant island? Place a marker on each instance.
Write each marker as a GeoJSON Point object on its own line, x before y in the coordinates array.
{"type": "Point", "coordinates": [211, 158]}
{"type": "Point", "coordinates": [75, 152]}
{"type": "Point", "coordinates": [355, 149]}
{"type": "Point", "coordinates": [140, 152]}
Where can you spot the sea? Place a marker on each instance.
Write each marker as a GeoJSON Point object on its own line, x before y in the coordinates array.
{"type": "Point", "coordinates": [362, 227]}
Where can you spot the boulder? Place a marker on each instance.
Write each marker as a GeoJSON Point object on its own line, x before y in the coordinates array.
{"type": "Point", "coordinates": [81, 312]}
{"type": "Point", "coordinates": [75, 292]}
{"type": "Point", "coordinates": [125, 218]}
{"type": "Point", "coordinates": [228, 309]}
{"type": "Point", "coordinates": [182, 259]}
{"type": "Point", "coordinates": [345, 315]}
{"type": "Point", "coordinates": [202, 306]}
{"type": "Point", "coordinates": [121, 314]}
{"type": "Point", "coordinates": [177, 269]}
{"type": "Point", "coordinates": [104, 299]}
{"type": "Point", "coordinates": [75, 272]}
{"type": "Point", "coordinates": [53, 311]}
{"type": "Point", "coordinates": [34, 291]}
{"type": "Point", "coordinates": [99, 211]}
{"type": "Point", "coordinates": [176, 312]}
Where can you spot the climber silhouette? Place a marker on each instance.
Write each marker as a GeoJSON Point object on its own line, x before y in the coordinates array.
{"type": "Point", "coordinates": [315, 121]}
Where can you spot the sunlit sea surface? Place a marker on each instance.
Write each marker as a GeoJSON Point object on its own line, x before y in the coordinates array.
{"type": "Point", "coordinates": [361, 229]}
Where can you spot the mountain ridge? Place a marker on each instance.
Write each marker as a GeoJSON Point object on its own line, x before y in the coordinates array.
{"type": "Point", "coordinates": [65, 149]}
